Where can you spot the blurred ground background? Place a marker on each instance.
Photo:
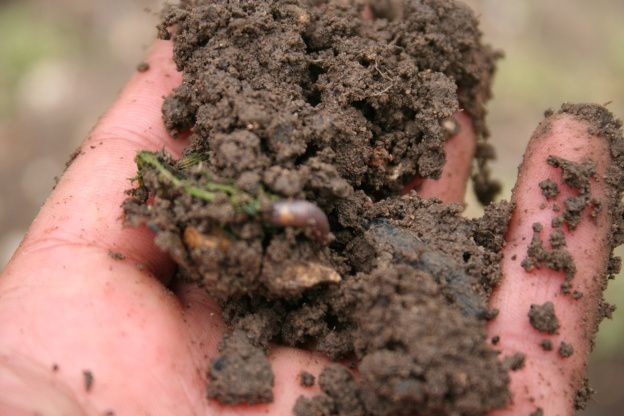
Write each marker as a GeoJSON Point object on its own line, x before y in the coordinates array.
{"type": "Point", "coordinates": [63, 62]}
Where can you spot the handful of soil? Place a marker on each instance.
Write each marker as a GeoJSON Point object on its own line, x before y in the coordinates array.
{"type": "Point", "coordinates": [307, 120]}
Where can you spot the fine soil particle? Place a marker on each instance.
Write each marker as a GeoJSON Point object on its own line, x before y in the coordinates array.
{"type": "Point", "coordinates": [306, 379]}
{"type": "Point", "coordinates": [549, 188]}
{"type": "Point", "coordinates": [543, 318]}
{"type": "Point", "coordinates": [115, 255]}
{"type": "Point", "coordinates": [565, 349]}
{"type": "Point", "coordinates": [495, 340]}
{"type": "Point", "coordinates": [143, 67]}
{"type": "Point", "coordinates": [546, 345]}
{"type": "Point", "coordinates": [88, 380]}
{"type": "Point", "coordinates": [306, 121]}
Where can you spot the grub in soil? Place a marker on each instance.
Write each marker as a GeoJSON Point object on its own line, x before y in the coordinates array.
{"type": "Point", "coordinates": [306, 379]}
{"type": "Point", "coordinates": [143, 67]}
{"type": "Point", "coordinates": [543, 318]}
{"type": "Point", "coordinates": [304, 101]}
{"type": "Point", "coordinates": [546, 345]}
{"type": "Point", "coordinates": [115, 255]}
{"type": "Point", "coordinates": [88, 380]}
{"type": "Point", "coordinates": [549, 188]}
{"type": "Point", "coordinates": [565, 349]}
{"type": "Point", "coordinates": [241, 373]}
{"type": "Point", "coordinates": [514, 362]}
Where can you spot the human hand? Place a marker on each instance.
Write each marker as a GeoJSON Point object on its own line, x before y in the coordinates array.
{"type": "Point", "coordinates": [68, 309]}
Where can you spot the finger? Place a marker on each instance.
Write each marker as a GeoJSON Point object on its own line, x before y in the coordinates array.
{"type": "Point", "coordinates": [459, 149]}
{"type": "Point", "coordinates": [549, 381]}
{"type": "Point", "coordinates": [84, 209]}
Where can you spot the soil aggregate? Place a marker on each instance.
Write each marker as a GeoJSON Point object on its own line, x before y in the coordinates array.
{"type": "Point", "coordinates": [565, 350]}
{"type": "Point", "coordinates": [546, 345]}
{"type": "Point", "coordinates": [241, 373]}
{"type": "Point", "coordinates": [306, 121]}
{"type": "Point", "coordinates": [543, 318]}
{"type": "Point", "coordinates": [115, 255]}
{"type": "Point", "coordinates": [583, 395]}
{"type": "Point", "coordinates": [306, 379]}
{"type": "Point", "coordinates": [549, 188]}
{"type": "Point", "coordinates": [514, 362]}
{"type": "Point", "coordinates": [558, 258]}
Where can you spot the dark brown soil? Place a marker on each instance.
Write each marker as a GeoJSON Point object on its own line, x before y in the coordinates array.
{"type": "Point", "coordinates": [306, 379]}
{"type": "Point", "coordinates": [514, 362]}
{"type": "Point", "coordinates": [241, 374]}
{"type": "Point", "coordinates": [306, 121]}
{"type": "Point", "coordinates": [565, 349]}
{"type": "Point", "coordinates": [549, 188]}
{"type": "Point", "coordinates": [115, 255]}
{"type": "Point", "coordinates": [543, 318]}
{"type": "Point", "coordinates": [546, 345]}
{"type": "Point", "coordinates": [583, 395]}
{"type": "Point", "coordinates": [558, 258]}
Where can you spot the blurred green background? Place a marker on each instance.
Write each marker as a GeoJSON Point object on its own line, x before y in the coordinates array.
{"type": "Point", "coordinates": [63, 62]}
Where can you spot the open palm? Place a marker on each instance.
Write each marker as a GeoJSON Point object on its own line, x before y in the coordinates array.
{"type": "Point", "coordinates": [83, 332]}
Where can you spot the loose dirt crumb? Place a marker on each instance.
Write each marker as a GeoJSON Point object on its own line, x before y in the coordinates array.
{"type": "Point", "coordinates": [577, 176]}
{"type": "Point", "coordinates": [55, 367]}
{"type": "Point", "coordinates": [306, 379]}
{"type": "Point", "coordinates": [558, 259]}
{"type": "Point", "coordinates": [543, 318]}
{"type": "Point", "coordinates": [565, 349]}
{"type": "Point", "coordinates": [495, 340]}
{"type": "Point", "coordinates": [514, 362]}
{"type": "Point", "coordinates": [88, 379]}
{"type": "Point", "coordinates": [341, 395]}
{"type": "Point", "coordinates": [241, 374]}
{"type": "Point", "coordinates": [546, 345]}
{"type": "Point", "coordinates": [115, 255]}
{"type": "Point", "coordinates": [549, 188]}
{"type": "Point", "coordinates": [143, 67]}
{"type": "Point", "coordinates": [583, 395]}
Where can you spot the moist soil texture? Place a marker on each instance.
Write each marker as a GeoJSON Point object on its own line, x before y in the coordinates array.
{"type": "Point", "coordinates": [307, 118]}
{"type": "Point", "coordinates": [543, 318]}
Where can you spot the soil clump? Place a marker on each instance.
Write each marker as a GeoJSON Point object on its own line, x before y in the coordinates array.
{"type": "Point", "coordinates": [543, 318]}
